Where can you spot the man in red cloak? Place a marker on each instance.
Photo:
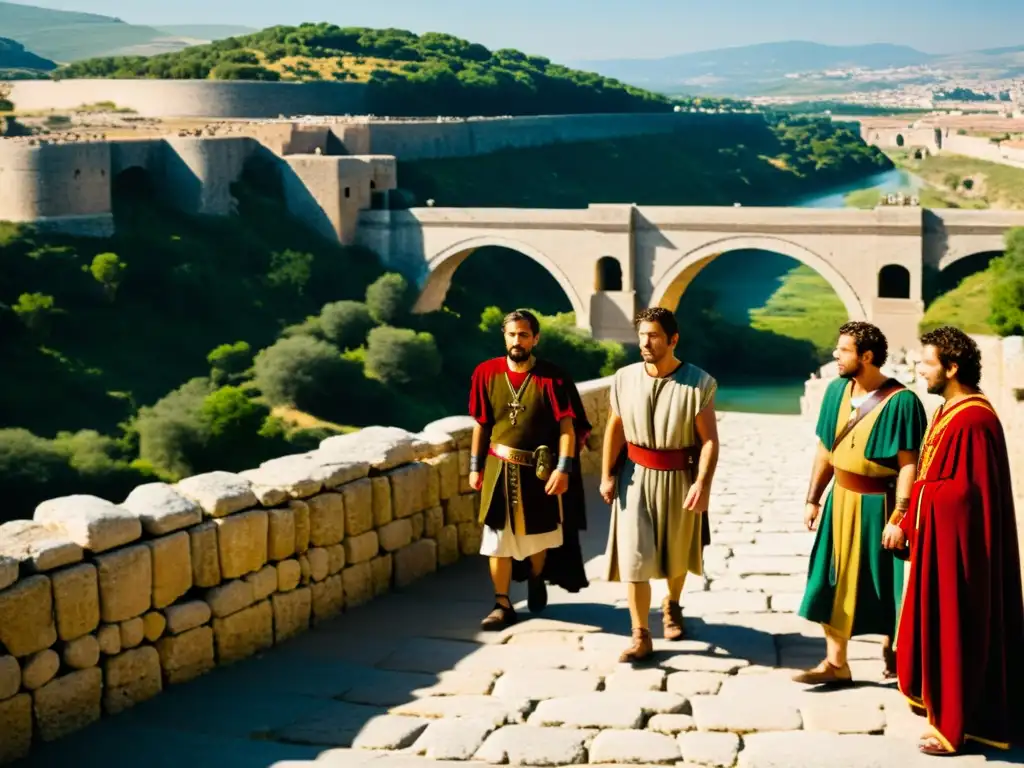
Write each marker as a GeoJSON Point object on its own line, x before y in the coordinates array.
{"type": "Point", "coordinates": [961, 631]}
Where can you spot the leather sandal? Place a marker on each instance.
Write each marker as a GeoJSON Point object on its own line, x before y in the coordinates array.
{"type": "Point", "coordinates": [500, 617]}
{"type": "Point", "coordinates": [641, 648]}
{"type": "Point", "coordinates": [930, 745]}
{"type": "Point", "coordinates": [825, 673]}
{"type": "Point", "coordinates": [672, 620]}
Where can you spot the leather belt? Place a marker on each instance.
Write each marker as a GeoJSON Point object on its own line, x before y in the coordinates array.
{"type": "Point", "coordinates": [512, 455]}
{"type": "Point", "coordinates": [666, 460]}
{"type": "Point", "coordinates": [863, 484]}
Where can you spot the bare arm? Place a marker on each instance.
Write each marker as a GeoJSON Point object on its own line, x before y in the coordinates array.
{"type": "Point", "coordinates": [821, 474]}
{"type": "Point", "coordinates": [566, 437]}
{"type": "Point", "coordinates": [481, 441]}
{"type": "Point", "coordinates": [904, 484]}
{"type": "Point", "coordinates": [614, 440]}
{"type": "Point", "coordinates": [707, 432]}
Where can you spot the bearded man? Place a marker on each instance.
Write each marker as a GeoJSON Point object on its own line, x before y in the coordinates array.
{"type": "Point", "coordinates": [662, 411]}
{"type": "Point", "coordinates": [869, 431]}
{"type": "Point", "coordinates": [527, 410]}
{"type": "Point", "coordinates": [963, 612]}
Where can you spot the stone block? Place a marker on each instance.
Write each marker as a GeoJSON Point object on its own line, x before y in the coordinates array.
{"type": "Point", "coordinates": [39, 669]}
{"type": "Point", "coordinates": [357, 582]}
{"type": "Point", "coordinates": [358, 507]}
{"type": "Point", "coordinates": [68, 704]}
{"type": "Point", "coordinates": [280, 533]}
{"type": "Point", "coordinates": [305, 569]}
{"type": "Point", "coordinates": [459, 509]}
{"type": "Point", "coordinates": [205, 555]}
{"type": "Point", "coordinates": [470, 537]}
{"type": "Point", "coordinates": [187, 616]}
{"type": "Point", "coordinates": [380, 574]}
{"type": "Point", "coordinates": [326, 519]}
{"type": "Point", "coordinates": [133, 632]}
{"type": "Point", "coordinates": [319, 563]}
{"type": "Point", "coordinates": [458, 428]}
{"type": "Point", "coordinates": [448, 545]}
{"type": "Point", "coordinates": [335, 559]}
{"type": "Point", "coordinates": [131, 678]}
{"type": "Point", "coordinates": [15, 728]}
{"type": "Point", "coordinates": [433, 522]}
{"type": "Point", "coordinates": [267, 495]}
{"type": "Point", "coordinates": [230, 597]}
{"type": "Point", "coordinates": [415, 561]}
{"type": "Point", "coordinates": [218, 493]}
{"type": "Point", "coordinates": [711, 748]}
{"type": "Point", "coordinates": [417, 523]}
{"type": "Point", "coordinates": [292, 613]}
{"type": "Point", "coordinates": [409, 487]}
{"type": "Point", "coordinates": [301, 510]}
{"type": "Point", "coordinates": [432, 491]}
{"type": "Point", "coordinates": [109, 638]}
{"type": "Point", "coordinates": [244, 633]}
{"type": "Point", "coordinates": [264, 582]}
{"type": "Point", "coordinates": [359, 549]}
{"type": "Point", "coordinates": [242, 543]}
{"type": "Point", "coordinates": [26, 616]}
{"type": "Point", "coordinates": [447, 467]}
{"type": "Point", "coordinates": [10, 677]}
{"type": "Point", "coordinates": [289, 572]}
{"type": "Point", "coordinates": [186, 656]}
{"type": "Point", "coordinates": [296, 476]}
{"type": "Point", "coordinates": [464, 486]}
{"type": "Point", "coordinates": [379, 447]}
{"type": "Point", "coordinates": [126, 583]}
{"type": "Point", "coordinates": [153, 626]}
{"type": "Point", "coordinates": [382, 512]}
{"type": "Point", "coordinates": [464, 454]}
{"type": "Point", "coordinates": [76, 599]}
{"type": "Point", "coordinates": [395, 535]}
{"type": "Point", "coordinates": [632, 747]}
{"type": "Point", "coordinates": [172, 568]}
{"type": "Point", "coordinates": [161, 509]}
{"type": "Point", "coordinates": [89, 521]}
{"type": "Point", "coordinates": [455, 739]}
{"type": "Point", "coordinates": [39, 548]}
{"type": "Point", "coordinates": [82, 653]}
{"type": "Point", "coordinates": [328, 598]}
{"type": "Point", "coordinates": [9, 569]}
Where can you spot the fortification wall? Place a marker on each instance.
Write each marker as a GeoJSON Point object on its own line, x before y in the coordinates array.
{"type": "Point", "coordinates": [103, 606]}
{"type": "Point", "coordinates": [40, 184]}
{"type": "Point", "coordinates": [195, 98]}
{"type": "Point", "coordinates": [425, 140]}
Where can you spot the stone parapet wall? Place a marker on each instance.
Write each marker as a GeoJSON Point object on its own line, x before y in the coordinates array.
{"type": "Point", "coordinates": [103, 605]}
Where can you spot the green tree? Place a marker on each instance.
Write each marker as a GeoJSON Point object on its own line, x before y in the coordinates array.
{"type": "Point", "coordinates": [35, 310]}
{"type": "Point", "coordinates": [402, 357]}
{"type": "Point", "coordinates": [290, 270]}
{"type": "Point", "coordinates": [303, 372]}
{"type": "Point", "coordinates": [389, 298]}
{"type": "Point", "coordinates": [1007, 301]}
{"type": "Point", "coordinates": [108, 270]}
{"type": "Point", "coordinates": [171, 432]}
{"type": "Point", "coordinates": [229, 361]}
{"type": "Point", "coordinates": [346, 323]}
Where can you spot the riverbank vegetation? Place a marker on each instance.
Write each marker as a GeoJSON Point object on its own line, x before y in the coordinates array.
{"type": "Point", "coordinates": [966, 182]}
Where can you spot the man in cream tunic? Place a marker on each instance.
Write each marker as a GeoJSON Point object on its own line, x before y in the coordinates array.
{"type": "Point", "coordinates": [662, 412]}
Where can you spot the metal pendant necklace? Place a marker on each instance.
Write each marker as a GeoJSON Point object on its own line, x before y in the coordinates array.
{"type": "Point", "coordinates": [515, 407]}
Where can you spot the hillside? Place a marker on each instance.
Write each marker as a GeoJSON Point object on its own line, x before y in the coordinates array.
{"type": "Point", "coordinates": [407, 74]}
{"type": "Point", "coordinates": [65, 36]}
{"type": "Point", "coordinates": [14, 56]}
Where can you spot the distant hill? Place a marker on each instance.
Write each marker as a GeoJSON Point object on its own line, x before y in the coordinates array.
{"type": "Point", "coordinates": [407, 74]}
{"type": "Point", "coordinates": [206, 32]}
{"type": "Point", "coordinates": [14, 56]}
{"type": "Point", "coordinates": [748, 68]}
{"type": "Point", "coordinates": [65, 36]}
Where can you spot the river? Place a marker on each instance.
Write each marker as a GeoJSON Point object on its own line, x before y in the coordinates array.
{"type": "Point", "coordinates": [783, 397]}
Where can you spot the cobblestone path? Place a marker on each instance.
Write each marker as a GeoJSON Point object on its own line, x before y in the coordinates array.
{"type": "Point", "coordinates": [408, 680]}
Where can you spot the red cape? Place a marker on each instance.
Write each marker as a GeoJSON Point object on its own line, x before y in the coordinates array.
{"type": "Point", "coordinates": [961, 632]}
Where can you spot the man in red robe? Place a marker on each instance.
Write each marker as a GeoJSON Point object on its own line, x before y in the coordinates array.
{"type": "Point", "coordinates": [529, 416]}
{"type": "Point", "coordinates": [961, 634]}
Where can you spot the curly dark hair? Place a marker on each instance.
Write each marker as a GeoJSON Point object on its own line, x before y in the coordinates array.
{"type": "Point", "coordinates": [522, 314]}
{"type": "Point", "coordinates": [955, 346]}
{"type": "Point", "coordinates": [663, 317]}
{"type": "Point", "coordinates": [867, 338]}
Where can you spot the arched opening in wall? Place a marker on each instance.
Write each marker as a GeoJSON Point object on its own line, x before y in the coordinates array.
{"type": "Point", "coordinates": [607, 274]}
{"type": "Point", "coordinates": [960, 294]}
{"type": "Point", "coordinates": [899, 140]}
{"type": "Point", "coordinates": [760, 320]}
{"type": "Point", "coordinates": [894, 282]}
{"type": "Point", "coordinates": [132, 190]}
{"type": "Point", "coordinates": [921, 153]}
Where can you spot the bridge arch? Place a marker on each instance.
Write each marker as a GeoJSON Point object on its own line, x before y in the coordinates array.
{"type": "Point", "coordinates": [673, 284]}
{"type": "Point", "coordinates": [441, 267]}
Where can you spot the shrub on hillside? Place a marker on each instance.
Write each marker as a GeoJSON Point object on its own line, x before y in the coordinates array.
{"type": "Point", "coordinates": [304, 372]}
{"type": "Point", "coordinates": [1008, 286]}
{"type": "Point", "coordinates": [229, 361]}
{"type": "Point", "coordinates": [170, 432]}
{"type": "Point", "coordinates": [108, 270]}
{"type": "Point", "coordinates": [346, 323]}
{"type": "Point", "coordinates": [389, 299]}
{"type": "Point", "coordinates": [402, 357]}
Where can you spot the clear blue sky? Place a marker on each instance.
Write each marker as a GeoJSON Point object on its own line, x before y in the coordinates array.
{"type": "Point", "coordinates": [587, 29]}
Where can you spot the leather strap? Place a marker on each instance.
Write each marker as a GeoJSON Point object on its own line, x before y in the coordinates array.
{"type": "Point", "coordinates": [891, 386]}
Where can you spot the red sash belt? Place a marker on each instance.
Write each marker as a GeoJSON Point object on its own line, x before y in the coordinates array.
{"type": "Point", "coordinates": [667, 460]}
{"type": "Point", "coordinates": [864, 484]}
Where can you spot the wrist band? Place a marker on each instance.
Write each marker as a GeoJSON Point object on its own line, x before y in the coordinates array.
{"type": "Point", "coordinates": [565, 464]}
{"type": "Point", "coordinates": [475, 462]}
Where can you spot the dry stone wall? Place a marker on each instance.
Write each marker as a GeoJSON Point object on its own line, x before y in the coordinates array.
{"type": "Point", "coordinates": [103, 605]}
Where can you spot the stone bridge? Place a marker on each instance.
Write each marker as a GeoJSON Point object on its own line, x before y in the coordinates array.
{"type": "Point", "coordinates": [612, 260]}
